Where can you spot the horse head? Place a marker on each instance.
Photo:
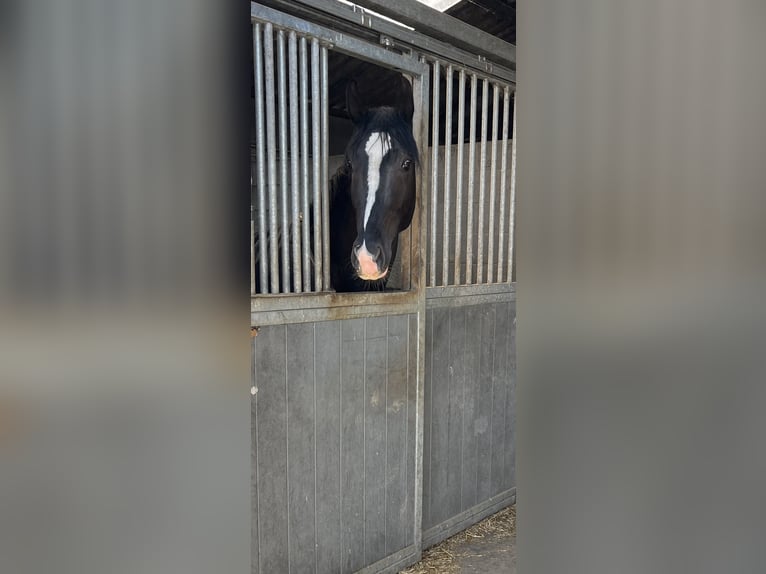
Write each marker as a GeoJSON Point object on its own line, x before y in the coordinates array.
{"type": "Point", "coordinates": [381, 158]}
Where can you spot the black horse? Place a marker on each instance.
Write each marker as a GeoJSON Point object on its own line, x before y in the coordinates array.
{"type": "Point", "coordinates": [373, 193]}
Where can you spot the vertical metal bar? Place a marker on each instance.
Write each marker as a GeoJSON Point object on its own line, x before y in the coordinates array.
{"type": "Point", "coordinates": [306, 216]}
{"type": "Point", "coordinates": [447, 177]}
{"type": "Point", "coordinates": [294, 156]}
{"type": "Point", "coordinates": [503, 186]}
{"type": "Point", "coordinates": [512, 217]}
{"type": "Point", "coordinates": [482, 178]}
{"type": "Point", "coordinates": [271, 150]}
{"type": "Point", "coordinates": [434, 174]}
{"type": "Point", "coordinates": [459, 177]}
{"type": "Point", "coordinates": [492, 188]}
{"type": "Point", "coordinates": [315, 159]}
{"type": "Point", "coordinates": [283, 159]}
{"type": "Point", "coordinates": [471, 181]}
{"type": "Point", "coordinates": [260, 162]}
{"type": "Point", "coordinates": [325, 176]}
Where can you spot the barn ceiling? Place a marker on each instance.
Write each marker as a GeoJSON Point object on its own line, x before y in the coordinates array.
{"type": "Point", "coordinates": [496, 17]}
{"type": "Point", "coordinates": [377, 85]}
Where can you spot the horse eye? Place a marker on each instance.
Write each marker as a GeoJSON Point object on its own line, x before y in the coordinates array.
{"type": "Point", "coordinates": [348, 164]}
{"type": "Point", "coordinates": [406, 163]}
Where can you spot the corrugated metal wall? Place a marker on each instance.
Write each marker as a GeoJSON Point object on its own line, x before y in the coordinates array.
{"type": "Point", "coordinates": [334, 444]}
{"type": "Point", "coordinates": [470, 399]}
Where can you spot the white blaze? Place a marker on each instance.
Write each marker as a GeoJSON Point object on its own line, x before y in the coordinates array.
{"type": "Point", "coordinates": [377, 147]}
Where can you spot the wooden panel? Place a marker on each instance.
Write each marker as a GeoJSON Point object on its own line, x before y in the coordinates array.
{"type": "Point", "coordinates": [352, 445]}
{"type": "Point", "coordinates": [412, 389]}
{"type": "Point", "coordinates": [483, 421]}
{"type": "Point", "coordinates": [428, 419]}
{"type": "Point", "coordinates": [500, 380]}
{"type": "Point", "coordinates": [456, 367]}
{"type": "Point", "coordinates": [376, 355]}
{"type": "Point", "coordinates": [440, 383]}
{"type": "Point", "coordinates": [472, 358]}
{"type": "Point", "coordinates": [271, 423]}
{"type": "Point", "coordinates": [328, 379]}
{"type": "Point", "coordinates": [254, 526]}
{"type": "Point", "coordinates": [397, 501]}
{"type": "Point", "coordinates": [301, 447]}
{"type": "Point", "coordinates": [333, 449]}
{"type": "Point", "coordinates": [469, 411]}
{"type": "Point", "coordinates": [510, 407]}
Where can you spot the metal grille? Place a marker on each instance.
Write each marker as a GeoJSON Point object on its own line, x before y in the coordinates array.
{"type": "Point", "coordinates": [472, 203]}
{"type": "Point", "coordinates": [289, 227]}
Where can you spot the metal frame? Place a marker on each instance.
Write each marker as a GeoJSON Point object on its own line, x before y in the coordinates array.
{"type": "Point", "coordinates": [500, 65]}
{"type": "Point", "coordinates": [309, 307]}
{"type": "Point", "coordinates": [440, 25]}
{"type": "Point", "coordinates": [289, 308]}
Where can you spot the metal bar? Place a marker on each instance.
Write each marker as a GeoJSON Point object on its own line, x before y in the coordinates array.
{"type": "Point", "coordinates": [295, 187]}
{"type": "Point", "coordinates": [271, 150]}
{"type": "Point", "coordinates": [459, 177]}
{"type": "Point", "coordinates": [482, 178]}
{"type": "Point", "coordinates": [420, 92]}
{"type": "Point", "coordinates": [325, 176]}
{"type": "Point", "coordinates": [260, 162]}
{"type": "Point", "coordinates": [434, 173]}
{"type": "Point", "coordinates": [512, 223]}
{"type": "Point", "coordinates": [442, 26]}
{"type": "Point", "coordinates": [315, 158]}
{"type": "Point", "coordinates": [340, 41]}
{"type": "Point", "coordinates": [471, 181]}
{"type": "Point", "coordinates": [492, 188]}
{"type": "Point", "coordinates": [304, 113]}
{"type": "Point", "coordinates": [447, 177]}
{"type": "Point", "coordinates": [283, 182]}
{"type": "Point", "coordinates": [503, 186]}
{"type": "Point", "coordinates": [344, 17]}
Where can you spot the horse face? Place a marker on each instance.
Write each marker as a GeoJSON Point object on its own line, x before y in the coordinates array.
{"type": "Point", "coordinates": [382, 183]}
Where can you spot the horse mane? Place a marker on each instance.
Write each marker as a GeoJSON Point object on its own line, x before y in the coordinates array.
{"type": "Point", "coordinates": [339, 182]}
{"type": "Point", "coordinates": [390, 121]}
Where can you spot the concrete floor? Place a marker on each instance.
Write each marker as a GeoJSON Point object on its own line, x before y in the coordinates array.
{"type": "Point", "coordinates": [488, 555]}
{"type": "Point", "coordinates": [488, 547]}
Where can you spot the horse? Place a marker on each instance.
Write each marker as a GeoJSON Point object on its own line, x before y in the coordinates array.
{"type": "Point", "coordinates": [371, 195]}
{"type": "Point", "coordinates": [373, 192]}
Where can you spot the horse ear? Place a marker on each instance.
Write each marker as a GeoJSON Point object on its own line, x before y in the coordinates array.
{"type": "Point", "coordinates": [353, 103]}
{"type": "Point", "coordinates": [406, 104]}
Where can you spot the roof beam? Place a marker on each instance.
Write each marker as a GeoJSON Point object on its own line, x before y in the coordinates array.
{"type": "Point", "coordinates": [444, 27]}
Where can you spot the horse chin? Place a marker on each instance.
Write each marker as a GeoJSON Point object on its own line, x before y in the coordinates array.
{"type": "Point", "coordinates": [375, 277]}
